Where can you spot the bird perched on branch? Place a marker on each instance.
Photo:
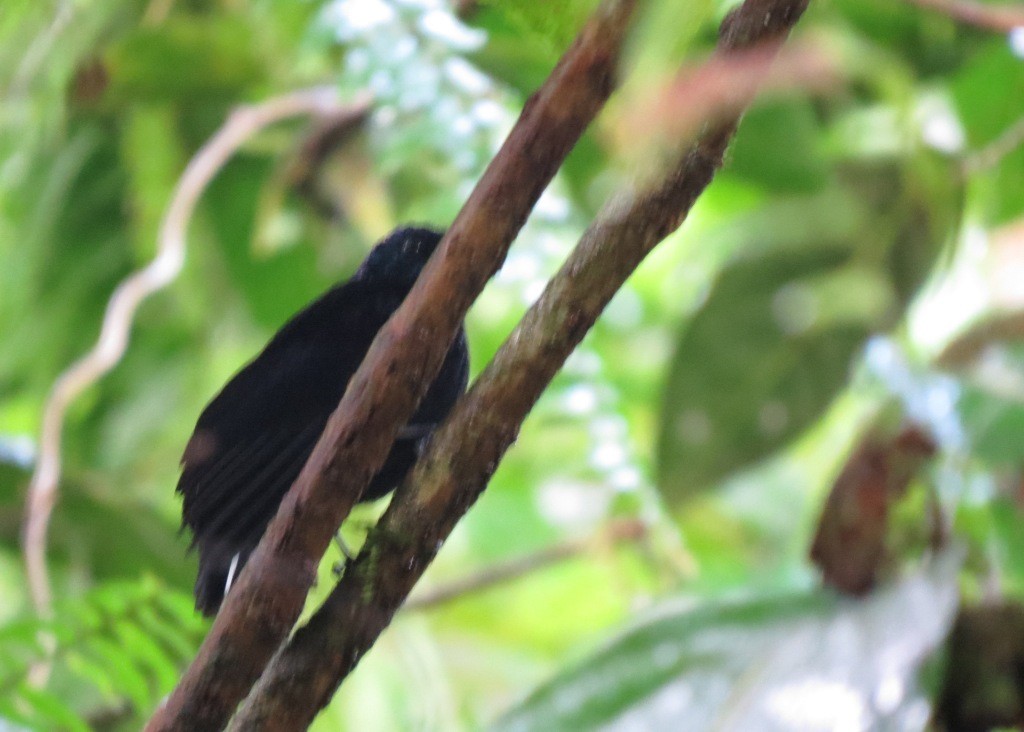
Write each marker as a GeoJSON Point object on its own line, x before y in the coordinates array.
{"type": "Point", "coordinates": [253, 438]}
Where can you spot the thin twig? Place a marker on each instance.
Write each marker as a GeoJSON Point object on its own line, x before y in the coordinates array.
{"type": "Point", "coordinates": [999, 18]}
{"type": "Point", "coordinates": [615, 532]}
{"type": "Point", "coordinates": [242, 124]}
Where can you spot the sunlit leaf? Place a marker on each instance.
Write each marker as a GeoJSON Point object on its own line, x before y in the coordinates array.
{"type": "Point", "coordinates": [814, 275]}
{"type": "Point", "coordinates": [556, 25]}
{"type": "Point", "coordinates": [762, 358]}
{"type": "Point", "coordinates": [809, 662]}
{"type": "Point", "coordinates": [521, 60]}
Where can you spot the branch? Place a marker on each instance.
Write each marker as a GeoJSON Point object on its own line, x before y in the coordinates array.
{"type": "Point", "coordinates": [262, 608]}
{"type": "Point", "coordinates": [465, 451]}
{"type": "Point", "coordinates": [110, 347]}
{"type": "Point", "coordinates": [999, 18]}
{"type": "Point", "coordinates": [617, 531]}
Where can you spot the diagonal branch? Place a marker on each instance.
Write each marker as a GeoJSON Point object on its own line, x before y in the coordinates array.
{"type": "Point", "coordinates": [261, 609]}
{"type": "Point", "coordinates": [465, 451]}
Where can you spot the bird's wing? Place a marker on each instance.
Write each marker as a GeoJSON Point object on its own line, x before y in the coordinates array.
{"type": "Point", "coordinates": [254, 437]}
{"type": "Point", "coordinates": [234, 496]}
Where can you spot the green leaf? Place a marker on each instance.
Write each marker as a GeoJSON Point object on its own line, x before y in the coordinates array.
{"type": "Point", "coordinates": [107, 651]}
{"type": "Point", "coordinates": [521, 60]}
{"type": "Point", "coordinates": [152, 155]}
{"type": "Point", "coordinates": [777, 146]}
{"type": "Point", "coordinates": [21, 635]}
{"type": "Point", "coordinates": [760, 361]}
{"type": "Point", "coordinates": [166, 631]}
{"type": "Point", "coordinates": [994, 426]}
{"type": "Point", "coordinates": [771, 346]}
{"type": "Point", "coordinates": [662, 38]}
{"type": "Point", "coordinates": [987, 95]}
{"type": "Point", "coordinates": [557, 24]}
{"type": "Point", "coordinates": [83, 665]}
{"type": "Point", "coordinates": [831, 219]}
{"type": "Point", "coordinates": [275, 287]}
{"type": "Point", "coordinates": [119, 665]}
{"type": "Point", "coordinates": [117, 548]}
{"type": "Point", "coordinates": [914, 206]}
{"type": "Point", "coordinates": [182, 610]}
{"type": "Point", "coordinates": [51, 710]}
{"type": "Point", "coordinates": [188, 58]}
{"type": "Point", "coordinates": [808, 661]}
{"type": "Point", "coordinates": [13, 712]}
{"type": "Point", "coordinates": [150, 654]}
{"type": "Point", "coordinates": [1007, 524]}
{"type": "Point", "coordinates": [928, 42]}
{"type": "Point", "coordinates": [987, 92]}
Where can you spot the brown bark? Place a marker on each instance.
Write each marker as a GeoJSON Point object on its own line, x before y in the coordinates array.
{"type": "Point", "coordinates": [261, 609]}
{"type": "Point", "coordinates": [465, 451]}
{"type": "Point", "coordinates": [850, 544]}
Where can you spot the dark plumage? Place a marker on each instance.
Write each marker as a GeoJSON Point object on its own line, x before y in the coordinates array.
{"type": "Point", "coordinates": [253, 438]}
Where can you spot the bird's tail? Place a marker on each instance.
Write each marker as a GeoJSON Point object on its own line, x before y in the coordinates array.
{"type": "Point", "coordinates": [219, 567]}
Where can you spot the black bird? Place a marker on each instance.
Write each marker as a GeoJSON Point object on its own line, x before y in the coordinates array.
{"type": "Point", "coordinates": [253, 438]}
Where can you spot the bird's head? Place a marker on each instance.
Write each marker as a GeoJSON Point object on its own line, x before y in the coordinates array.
{"type": "Point", "coordinates": [400, 256]}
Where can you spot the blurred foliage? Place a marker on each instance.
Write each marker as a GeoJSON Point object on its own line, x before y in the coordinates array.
{"type": "Point", "coordinates": [746, 662]}
{"type": "Point", "coordinates": [852, 243]}
{"type": "Point", "coordinates": [119, 650]}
